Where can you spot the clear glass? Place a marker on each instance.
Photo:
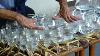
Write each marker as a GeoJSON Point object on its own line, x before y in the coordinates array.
{"type": "Point", "coordinates": [13, 31]}
{"type": "Point", "coordinates": [97, 4]}
{"type": "Point", "coordinates": [97, 7]}
{"type": "Point", "coordinates": [84, 5]}
{"type": "Point", "coordinates": [3, 35]}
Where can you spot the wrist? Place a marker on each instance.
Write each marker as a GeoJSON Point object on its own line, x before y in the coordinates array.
{"type": "Point", "coordinates": [19, 18]}
{"type": "Point", "coordinates": [64, 7]}
{"type": "Point", "coordinates": [62, 2]}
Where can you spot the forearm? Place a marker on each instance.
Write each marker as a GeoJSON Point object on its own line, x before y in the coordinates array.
{"type": "Point", "coordinates": [7, 14]}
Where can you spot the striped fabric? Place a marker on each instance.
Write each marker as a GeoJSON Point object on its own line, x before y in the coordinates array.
{"type": "Point", "coordinates": [6, 3]}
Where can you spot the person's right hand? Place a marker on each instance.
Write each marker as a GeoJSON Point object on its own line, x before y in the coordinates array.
{"type": "Point", "coordinates": [65, 13]}
{"type": "Point", "coordinates": [28, 23]}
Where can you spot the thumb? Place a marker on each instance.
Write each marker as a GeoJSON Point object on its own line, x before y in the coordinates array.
{"type": "Point", "coordinates": [57, 17]}
{"type": "Point", "coordinates": [38, 28]}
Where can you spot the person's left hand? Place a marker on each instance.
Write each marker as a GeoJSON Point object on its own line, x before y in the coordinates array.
{"type": "Point", "coordinates": [66, 15]}
{"type": "Point", "coordinates": [28, 23]}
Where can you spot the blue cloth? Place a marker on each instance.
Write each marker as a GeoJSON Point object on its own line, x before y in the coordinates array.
{"type": "Point", "coordinates": [16, 5]}
{"type": "Point", "coordinates": [20, 6]}
{"type": "Point", "coordinates": [7, 3]}
{"type": "Point", "coordinates": [1, 6]}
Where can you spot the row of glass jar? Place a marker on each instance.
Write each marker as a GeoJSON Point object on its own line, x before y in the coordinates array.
{"type": "Point", "coordinates": [55, 30]}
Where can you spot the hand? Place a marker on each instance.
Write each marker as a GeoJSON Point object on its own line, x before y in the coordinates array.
{"type": "Point", "coordinates": [28, 23]}
{"type": "Point", "coordinates": [66, 15]}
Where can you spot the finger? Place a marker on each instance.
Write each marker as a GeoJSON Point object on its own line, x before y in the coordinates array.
{"type": "Point", "coordinates": [37, 28]}
{"type": "Point", "coordinates": [78, 17]}
{"type": "Point", "coordinates": [74, 18]}
{"type": "Point", "coordinates": [66, 19]}
{"type": "Point", "coordinates": [56, 17]}
{"type": "Point", "coordinates": [28, 27]}
{"type": "Point", "coordinates": [69, 18]}
{"type": "Point", "coordinates": [33, 20]}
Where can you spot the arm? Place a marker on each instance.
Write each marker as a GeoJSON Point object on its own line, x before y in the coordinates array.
{"type": "Point", "coordinates": [64, 12]}
{"type": "Point", "coordinates": [22, 20]}
{"type": "Point", "coordinates": [7, 14]}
